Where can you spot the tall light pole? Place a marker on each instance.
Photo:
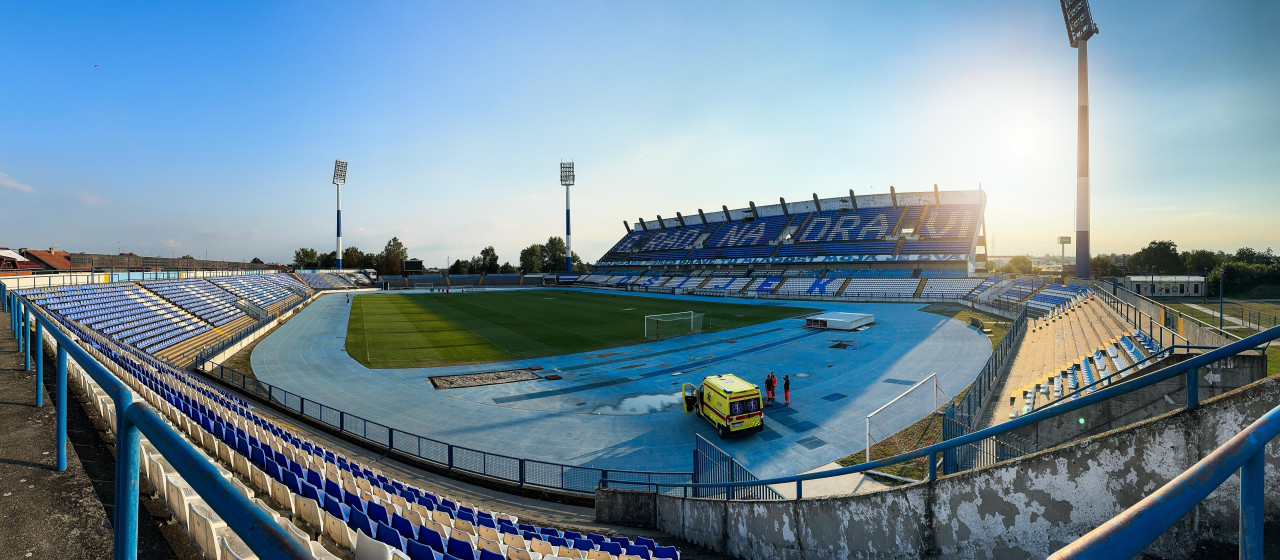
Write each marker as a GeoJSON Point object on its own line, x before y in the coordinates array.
{"type": "Point", "coordinates": [566, 179]}
{"type": "Point", "coordinates": [339, 179]}
{"type": "Point", "coordinates": [1080, 28]}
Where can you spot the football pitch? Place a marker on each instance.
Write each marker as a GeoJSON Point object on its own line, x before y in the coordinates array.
{"type": "Point", "coordinates": [425, 330]}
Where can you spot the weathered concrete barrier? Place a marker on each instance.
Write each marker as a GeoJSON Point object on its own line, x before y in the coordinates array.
{"type": "Point", "coordinates": [1023, 508]}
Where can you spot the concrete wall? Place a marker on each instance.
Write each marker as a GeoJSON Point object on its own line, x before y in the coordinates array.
{"type": "Point", "coordinates": [1024, 508]}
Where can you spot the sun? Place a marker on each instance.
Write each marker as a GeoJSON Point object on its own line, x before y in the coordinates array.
{"type": "Point", "coordinates": [1022, 143]}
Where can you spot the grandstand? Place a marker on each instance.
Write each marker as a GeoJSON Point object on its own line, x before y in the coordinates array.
{"type": "Point", "coordinates": [329, 503]}
{"type": "Point", "coordinates": [938, 231]}
{"type": "Point", "coordinates": [173, 319]}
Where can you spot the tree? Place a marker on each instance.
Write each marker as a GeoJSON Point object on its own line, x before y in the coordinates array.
{"type": "Point", "coordinates": [532, 259]}
{"type": "Point", "coordinates": [329, 260]}
{"type": "Point", "coordinates": [488, 260]}
{"type": "Point", "coordinates": [303, 258]}
{"type": "Point", "coordinates": [460, 267]}
{"type": "Point", "coordinates": [1158, 257]}
{"type": "Point", "coordinates": [507, 268]}
{"type": "Point", "coordinates": [353, 257]}
{"type": "Point", "coordinates": [391, 260]}
{"type": "Point", "coordinates": [1249, 255]}
{"type": "Point", "coordinates": [1102, 266]}
{"type": "Point", "coordinates": [1019, 264]}
{"type": "Point", "coordinates": [186, 257]}
{"type": "Point", "coordinates": [256, 260]}
{"type": "Point", "coordinates": [1200, 261]}
{"type": "Point", "coordinates": [553, 255]}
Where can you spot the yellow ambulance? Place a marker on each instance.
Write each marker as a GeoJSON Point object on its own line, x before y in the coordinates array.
{"type": "Point", "coordinates": [732, 405]}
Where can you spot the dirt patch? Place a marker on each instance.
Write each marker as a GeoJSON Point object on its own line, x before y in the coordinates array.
{"type": "Point", "coordinates": [483, 378]}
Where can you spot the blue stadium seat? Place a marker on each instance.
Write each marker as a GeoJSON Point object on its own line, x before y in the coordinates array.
{"type": "Point", "coordinates": [336, 508]}
{"type": "Point", "coordinates": [460, 549]}
{"type": "Point", "coordinates": [378, 512]}
{"type": "Point", "coordinates": [390, 536]}
{"type": "Point", "coordinates": [610, 547]}
{"type": "Point", "coordinates": [638, 550]}
{"type": "Point", "coordinates": [647, 543]}
{"type": "Point", "coordinates": [668, 552]}
{"type": "Point", "coordinates": [406, 528]}
{"type": "Point", "coordinates": [489, 555]}
{"type": "Point", "coordinates": [432, 539]}
{"type": "Point", "coordinates": [360, 522]}
{"type": "Point", "coordinates": [419, 551]}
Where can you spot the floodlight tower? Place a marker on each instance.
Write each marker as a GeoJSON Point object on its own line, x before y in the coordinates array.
{"type": "Point", "coordinates": [1080, 28]}
{"type": "Point", "coordinates": [566, 179]}
{"type": "Point", "coordinates": [339, 179]}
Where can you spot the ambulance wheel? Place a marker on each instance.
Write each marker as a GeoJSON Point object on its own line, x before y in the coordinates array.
{"type": "Point", "coordinates": [722, 431]}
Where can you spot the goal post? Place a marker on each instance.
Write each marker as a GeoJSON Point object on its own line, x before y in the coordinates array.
{"type": "Point", "coordinates": [909, 415]}
{"type": "Point", "coordinates": [666, 325]}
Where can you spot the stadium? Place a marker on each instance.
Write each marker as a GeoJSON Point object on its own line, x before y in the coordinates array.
{"type": "Point", "coordinates": [846, 375]}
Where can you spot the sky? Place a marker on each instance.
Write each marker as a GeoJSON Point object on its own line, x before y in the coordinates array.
{"type": "Point", "coordinates": [203, 128]}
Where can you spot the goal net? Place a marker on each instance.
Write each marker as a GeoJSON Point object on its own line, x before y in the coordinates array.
{"type": "Point", "coordinates": [420, 285]}
{"type": "Point", "coordinates": [666, 325]}
{"type": "Point", "coordinates": [906, 422]}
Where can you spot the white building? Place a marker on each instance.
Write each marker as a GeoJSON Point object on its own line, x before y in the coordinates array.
{"type": "Point", "coordinates": [1165, 285]}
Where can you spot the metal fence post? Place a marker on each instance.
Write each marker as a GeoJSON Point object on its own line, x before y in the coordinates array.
{"type": "Point", "coordinates": [799, 490]}
{"type": "Point", "coordinates": [26, 338]}
{"type": "Point", "coordinates": [62, 408]}
{"type": "Point", "coordinates": [126, 488]}
{"type": "Point", "coordinates": [522, 473]}
{"type": "Point", "coordinates": [1251, 506]}
{"type": "Point", "coordinates": [933, 466]}
{"type": "Point", "coordinates": [450, 458]}
{"type": "Point", "coordinates": [1193, 387]}
{"type": "Point", "coordinates": [342, 421]}
{"type": "Point", "coordinates": [39, 363]}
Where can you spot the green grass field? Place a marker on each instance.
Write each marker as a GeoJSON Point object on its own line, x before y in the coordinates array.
{"type": "Point", "coordinates": [423, 330]}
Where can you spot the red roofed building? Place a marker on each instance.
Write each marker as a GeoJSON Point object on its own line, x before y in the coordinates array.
{"type": "Point", "coordinates": [49, 260]}
{"type": "Point", "coordinates": [12, 264]}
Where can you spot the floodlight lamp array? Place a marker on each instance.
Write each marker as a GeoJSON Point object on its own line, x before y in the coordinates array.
{"type": "Point", "coordinates": [566, 173]}
{"type": "Point", "coordinates": [339, 172]}
{"type": "Point", "coordinates": [1079, 20]}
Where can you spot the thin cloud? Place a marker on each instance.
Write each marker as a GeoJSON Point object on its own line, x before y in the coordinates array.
{"type": "Point", "coordinates": [91, 199]}
{"type": "Point", "coordinates": [7, 182]}
{"type": "Point", "coordinates": [172, 243]}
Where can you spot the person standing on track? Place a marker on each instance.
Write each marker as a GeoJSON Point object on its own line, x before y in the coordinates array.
{"type": "Point", "coordinates": [786, 388]}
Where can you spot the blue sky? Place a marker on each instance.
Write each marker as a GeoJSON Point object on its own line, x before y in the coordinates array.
{"type": "Point", "coordinates": [214, 126]}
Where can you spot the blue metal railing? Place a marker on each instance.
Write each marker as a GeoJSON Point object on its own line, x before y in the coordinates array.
{"type": "Point", "coordinates": [1188, 368]}
{"type": "Point", "coordinates": [514, 470]}
{"type": "Point", "coordinates": [133, 420]}
{"type": "Point", "coordinates": [1125, 535]}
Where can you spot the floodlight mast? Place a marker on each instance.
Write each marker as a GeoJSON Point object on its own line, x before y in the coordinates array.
{"type": "Point", "coordinates": [339, 179]}
{"type": "Point", "coordinates": [566, 179]}
{"type": "Point", "coordinates": [1080, 27]}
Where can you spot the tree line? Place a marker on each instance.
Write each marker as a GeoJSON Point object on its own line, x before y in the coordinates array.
{"type": "Point", "coordinates": [1245, 269]}
{"type": "Point", "coordinates": [388, 262]}
{"type": "Point", "coordinates": [536, 258]}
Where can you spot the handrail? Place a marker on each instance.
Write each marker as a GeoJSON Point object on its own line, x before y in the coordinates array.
{"type": "Point", "coordinates": [506, 468]}
{"type": "Point", "coordinates": [1125, 535]}
{"type": "Point", "coordinates": [135, 419]}
{"type": "Point", "coordinates": [1158, 354]}
{"type": "Point", "coordinates": [1188, 367]}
